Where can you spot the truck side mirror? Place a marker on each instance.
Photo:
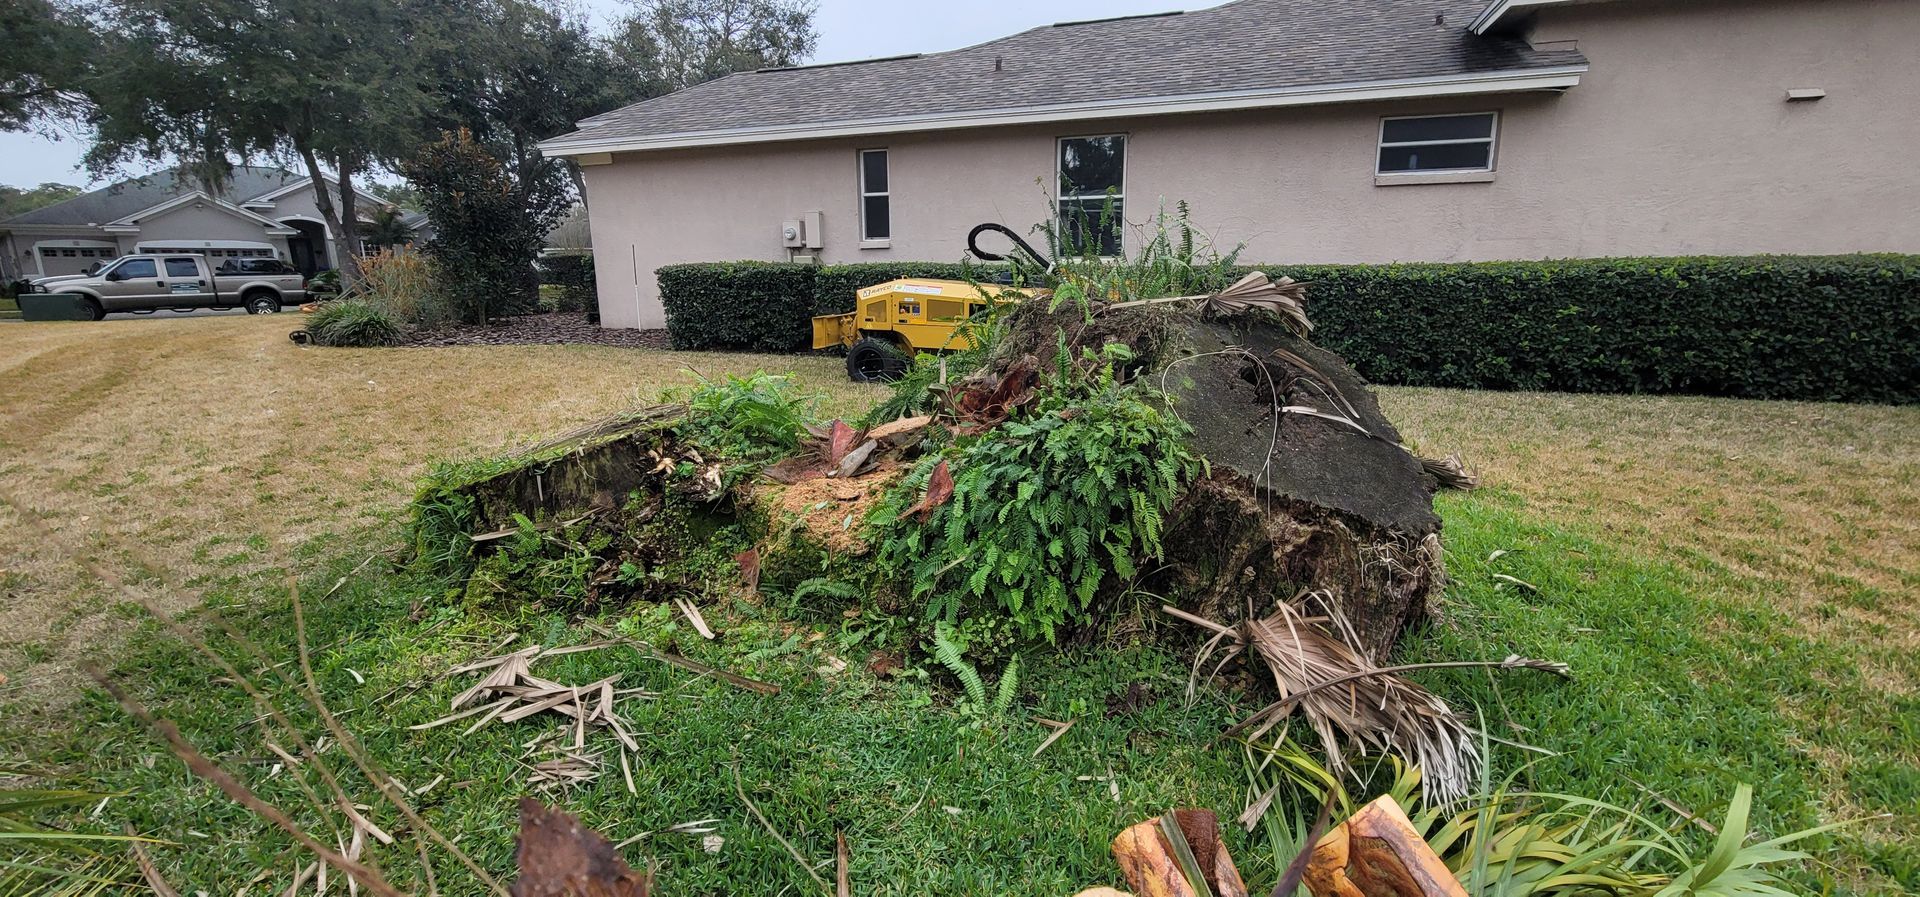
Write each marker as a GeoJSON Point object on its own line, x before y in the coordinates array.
{"type": "Point", "coordinates": [115, 276]}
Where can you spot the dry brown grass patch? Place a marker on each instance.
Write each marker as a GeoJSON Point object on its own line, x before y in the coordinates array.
{"type": "Point", "coordinates": [196, 449]}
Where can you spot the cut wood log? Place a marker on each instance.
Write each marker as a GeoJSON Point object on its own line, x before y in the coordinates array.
{"type": "Point", "coordinates": [1377, 853]}
{"type": "Point", "coordinates": [1153, 867]}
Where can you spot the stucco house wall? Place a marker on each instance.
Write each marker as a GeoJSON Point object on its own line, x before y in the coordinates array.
{"type": "Point", "coordinates": [1679, 140]}
{"type": "Point", "coordinates": [203, 221]}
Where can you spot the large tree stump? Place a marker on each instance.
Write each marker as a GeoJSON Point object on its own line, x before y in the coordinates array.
{"type": "Point", "coordinates": [1296, 502]}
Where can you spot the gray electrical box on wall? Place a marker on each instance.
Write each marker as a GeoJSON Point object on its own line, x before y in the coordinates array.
{"type": "Point", "coordinates": [814, 229]}
{"type": "Point", "coordinates": [793, 234]}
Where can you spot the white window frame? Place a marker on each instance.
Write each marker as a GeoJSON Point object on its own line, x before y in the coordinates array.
{"type": "Point", "coordinates": [861, 158]}
{"type": "Point", "coordinates": [1492, 140]}
{"type": "Point", "coordinates": [1059, 165]}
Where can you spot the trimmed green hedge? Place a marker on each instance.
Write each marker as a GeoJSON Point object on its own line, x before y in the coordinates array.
{"type": "Point", "coordinates": [762, 306]}
{"type": "Point", "coordinates": [1843, 328]}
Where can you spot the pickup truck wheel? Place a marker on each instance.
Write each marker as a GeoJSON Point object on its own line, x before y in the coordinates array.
{"type": "Point", "coordinates": [263, 304]}
{"type": "Point", "coordinates": [92, 308]}
{"type": "Point", "coordinates": [874, 360]}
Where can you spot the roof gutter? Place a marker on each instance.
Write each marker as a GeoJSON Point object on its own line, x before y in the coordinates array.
{"type": "Point", "coordinates": [1498, 10]}
{"type": "Point", "coordinates": [584, 143]}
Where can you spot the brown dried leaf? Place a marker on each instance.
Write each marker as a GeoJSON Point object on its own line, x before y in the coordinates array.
{"type": "Point", "coordinates": [749, 562]}
{"type": "Point", "coordinates": [841, 438]}
{"type": "Point", "coordinates": [939, 492]}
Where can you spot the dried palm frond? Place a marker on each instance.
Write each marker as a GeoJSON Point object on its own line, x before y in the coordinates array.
{"type": "Point", "coordinates": [1285, 297]}
{"type": "Point", "coordinates": [1451, 471]}
{"type": "Point", "coordinates": [1353, 706]}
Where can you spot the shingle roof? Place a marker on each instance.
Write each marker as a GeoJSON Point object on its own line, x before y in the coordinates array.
{"type": "Point", "coordinates": [116, 201]}
{"type": "Point", "coordinates": [1245, 45]}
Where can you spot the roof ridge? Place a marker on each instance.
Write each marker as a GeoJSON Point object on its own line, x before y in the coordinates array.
{"type": "Point", "coordinates": [828, 65]}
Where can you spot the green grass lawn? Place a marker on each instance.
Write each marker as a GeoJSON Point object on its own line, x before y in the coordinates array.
{"type": "Point", "coordinates": [933, 806]}
{"type": "Point", "coordinates": [1707, 649]}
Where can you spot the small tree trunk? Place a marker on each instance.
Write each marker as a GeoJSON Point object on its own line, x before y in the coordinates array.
{"type": "Point", "coordinates": [346, 240]}
{"type": "Point", "coordinates": [579, 180]}
{"type": "Point", "coordinates": [343, 258]}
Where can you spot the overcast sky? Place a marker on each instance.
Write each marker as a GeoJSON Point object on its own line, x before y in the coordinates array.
{"type": "Point", "coordinates": [849, 29]}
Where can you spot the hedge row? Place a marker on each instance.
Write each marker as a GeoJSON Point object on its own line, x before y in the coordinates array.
{"type": "Point", "coordinates": [1841, 328]}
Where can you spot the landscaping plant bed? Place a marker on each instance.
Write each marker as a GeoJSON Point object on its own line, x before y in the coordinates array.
{"type": "Point", "coordinates": [552, 329]}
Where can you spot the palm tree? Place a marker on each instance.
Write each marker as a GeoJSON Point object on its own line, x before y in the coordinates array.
{"type": "Point", "coordinates": [387, 227]}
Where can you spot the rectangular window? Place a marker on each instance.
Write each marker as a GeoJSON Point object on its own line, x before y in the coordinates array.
{"type": "Point", "coordinates": [179, 267]}
{"type": "Point", "coordinates": [1093, 194]}
{"type": "Point", "coordinates": [68, 253]}
{"type": "Point", "coordinates": [876, 198]}
{"type": "Point", "coordinates": [133, 269]}
{"type": "Point", "coordinates": [1437, 143]}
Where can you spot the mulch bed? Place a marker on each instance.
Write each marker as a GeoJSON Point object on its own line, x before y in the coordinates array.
{"type": "Point", "coordinates": [557, 329]}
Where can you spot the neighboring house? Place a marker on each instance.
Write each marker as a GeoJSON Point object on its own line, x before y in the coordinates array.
{"type": "Point", "coordinates": [1312, 130]}
{"type": "Point", "coordinates": [572, 236]}
{"type": "Point", "coordinates": [262, 212]}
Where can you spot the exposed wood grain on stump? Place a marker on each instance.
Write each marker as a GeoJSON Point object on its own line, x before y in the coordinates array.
{"type": "Point", "coordinates": [1377, 853]}
{"type": "Point", "coordinates": [1147, 861]}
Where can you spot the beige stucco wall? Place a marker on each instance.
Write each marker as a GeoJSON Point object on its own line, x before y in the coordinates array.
{"type": "Point", "coordinates": [1678, 141]}
{"type": "Point", "coordinates": [21, 251]}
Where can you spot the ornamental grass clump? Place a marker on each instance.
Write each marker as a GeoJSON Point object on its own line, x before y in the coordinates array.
{"type": "Point", "coordinates": [354, 323]}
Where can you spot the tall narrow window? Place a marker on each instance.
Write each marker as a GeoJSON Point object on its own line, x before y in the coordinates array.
{"type": "Point", "coordinates": [1092, 194]}
{"type": "Point", "coordinates": [876, 203]}
{"type": "Point", "coordinates": [1437, 143]}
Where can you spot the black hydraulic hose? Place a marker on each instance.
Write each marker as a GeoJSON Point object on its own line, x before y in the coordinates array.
{"type": "Point", "coordinates": [973, 246]}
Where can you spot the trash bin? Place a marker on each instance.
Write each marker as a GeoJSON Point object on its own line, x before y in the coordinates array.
{"type": "Point", "coordinates": [52, 307]}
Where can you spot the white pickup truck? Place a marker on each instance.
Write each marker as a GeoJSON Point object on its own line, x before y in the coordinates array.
{"type": "Point", "coordinates": [147, 283]}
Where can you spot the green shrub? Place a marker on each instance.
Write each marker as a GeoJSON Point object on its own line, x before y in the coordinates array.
{"type": "Point", "coordinates": [489, 226]}
{"type": "Point", "coordinates": [1837, 328]}
{"type": "Point", "coordinates": [748, 417]}
{"type": "Point", "coordinates": [573, 275]}
{"type": "Point", "coordinates": [1769, 327]}
{"type": "Point", "coordinates": [757, 306]}
{"type": "Point", "coordinates": [353, 322]}
{"type": "Point", "coordinates": [1046, 509]}
{"type": "Point", "coordinates": [405, 286]}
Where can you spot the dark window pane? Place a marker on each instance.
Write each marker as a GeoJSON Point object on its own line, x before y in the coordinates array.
{"type": "Point", "coordinates": [136, 268]}
{"type": "Point", "coordinates": [876, 218]}
{"type": "Point", "coordinates": [1438, 157]}
{"type": "Point", "coordinates": [182, 268]}
{"type": "Point", "coordinates": [1090, 227]}
{"type": "Point", "coordinates": [873, 172]}
{"type": "Point", "coordinates": [1446, 127]}
{"type": "Point", "coordinates": [1090, 166]}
